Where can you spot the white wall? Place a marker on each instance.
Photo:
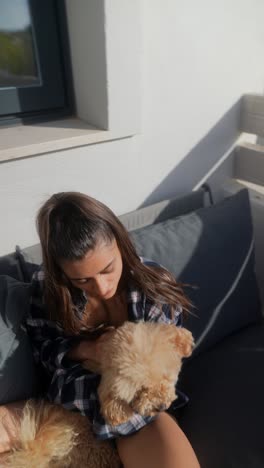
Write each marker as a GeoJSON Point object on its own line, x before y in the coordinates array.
{"type": "Point", "coordinates": [197, 59]}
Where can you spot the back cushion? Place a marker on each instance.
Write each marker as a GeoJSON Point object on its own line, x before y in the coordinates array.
{"type": "Point", "coordinates": [10, 265]}
{"type": "Point", "coordinates": [17, 369]}
{"type": "Point", "coordinates": [159, 212]}
{"type": "Point", "coordinates": [211, 249]}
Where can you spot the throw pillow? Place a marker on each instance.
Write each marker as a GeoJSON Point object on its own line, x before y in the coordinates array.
{"type": "Point", "coordinates": [10, 265]}
{"type": "Point", "coordinates": [213, 250]}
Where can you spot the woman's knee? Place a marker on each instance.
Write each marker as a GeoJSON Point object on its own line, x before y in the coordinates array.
{"type": "Point", "coordinates": [160, 443]}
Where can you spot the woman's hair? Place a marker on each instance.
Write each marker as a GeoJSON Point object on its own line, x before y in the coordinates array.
{"type": "Point", "coordinates": [69, 225]}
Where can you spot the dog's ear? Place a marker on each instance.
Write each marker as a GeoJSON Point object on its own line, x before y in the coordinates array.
{"type": "Point", "coordinates": [183, 341]}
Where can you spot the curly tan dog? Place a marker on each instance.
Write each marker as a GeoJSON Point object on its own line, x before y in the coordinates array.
{"type": "Point", "coordinates": [140, 365]}
{"type": "Point", "coordinates": [51, 436]}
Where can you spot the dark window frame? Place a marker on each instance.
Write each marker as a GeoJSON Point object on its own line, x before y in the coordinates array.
{"type": "Point", "coordinates": [53, 98]}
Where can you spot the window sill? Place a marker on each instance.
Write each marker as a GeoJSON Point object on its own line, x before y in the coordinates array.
{"type": "Point", "coordinates": [25, 141]}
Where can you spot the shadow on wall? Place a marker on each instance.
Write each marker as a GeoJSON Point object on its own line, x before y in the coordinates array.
{"type": "Point", "coordinates": [198, 163]}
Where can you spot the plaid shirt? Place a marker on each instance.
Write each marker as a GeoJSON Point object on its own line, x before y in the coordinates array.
{"type": "Point", "coordinates": [70, 384]}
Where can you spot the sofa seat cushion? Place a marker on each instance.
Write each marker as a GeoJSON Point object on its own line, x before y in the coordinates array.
{"type": "Point", "coordinates": [224, 417]}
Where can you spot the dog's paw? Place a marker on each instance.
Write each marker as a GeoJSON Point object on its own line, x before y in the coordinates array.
{"type": "Point", "coordinates": [150, 401]}
{"type": "Point", "coordinates": [115, 411]}
{"type": "Point", "coordinates": [142, 404]}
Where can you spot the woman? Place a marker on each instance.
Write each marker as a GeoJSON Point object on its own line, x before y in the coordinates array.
{"type": "Point", "coordinates": [91, 281]}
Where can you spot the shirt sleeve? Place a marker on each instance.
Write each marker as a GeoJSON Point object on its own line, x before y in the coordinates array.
{"type": "Point", "coordinates": [163, 313]}
{"type": "Point", "coordinates": [69, 383]}
{"type": "Point", "coordinates": [49, 343]}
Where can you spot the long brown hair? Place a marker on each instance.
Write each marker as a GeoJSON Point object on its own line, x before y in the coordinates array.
{"type": "Point", "coordinates": [69, 225]}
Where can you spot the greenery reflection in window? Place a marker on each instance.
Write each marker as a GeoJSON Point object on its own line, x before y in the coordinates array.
{"type": "Point", "coordinates": [17, 59]}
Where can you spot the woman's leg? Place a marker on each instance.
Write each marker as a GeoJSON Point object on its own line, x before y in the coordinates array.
{"type": "Point", "coordinates": [161, 444]}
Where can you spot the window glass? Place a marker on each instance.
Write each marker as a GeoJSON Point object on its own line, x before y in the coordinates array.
{"type": "Point", "coordinates": [18, 66]}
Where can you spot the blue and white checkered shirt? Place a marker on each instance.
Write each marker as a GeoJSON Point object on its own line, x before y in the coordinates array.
{"type": "Point", "coordinates": [70, 385]}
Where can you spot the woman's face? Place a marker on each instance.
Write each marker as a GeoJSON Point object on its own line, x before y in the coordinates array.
{"type": "Point", "coordinates": [99, 272]}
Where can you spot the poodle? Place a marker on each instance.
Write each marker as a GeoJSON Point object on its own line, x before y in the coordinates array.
{"type": "Point", "coordinates": [53, 437]}
{"type": "Point", "coordinates": [140, 365]}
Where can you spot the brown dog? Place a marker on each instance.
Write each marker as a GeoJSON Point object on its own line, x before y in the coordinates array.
{"type": "Point", "coordinates": [140, 365]}
{"type": "Point", "coordinates": [53, 437]}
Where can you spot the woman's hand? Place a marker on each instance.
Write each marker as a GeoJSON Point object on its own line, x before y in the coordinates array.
{"type": "Point", "coordinates": [82, 351]}
{"type": "Point", "coordinates": [93, 361]}
{"type": "Point", "coordinates": [87, 352]}
{"type": "Point", "coordinates": [103, 338]}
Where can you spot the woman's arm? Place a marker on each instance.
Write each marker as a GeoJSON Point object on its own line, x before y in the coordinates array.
{"type": "Point", "coordinates": [89, 346]}
{"type": "Point", "coordinates": [48, 340]}
{"type": "Point", "coordinates": [70, 384]}
{"type": "Point", "coordinates": [50, 345]}
{"type": "Point", "coordinates": [81, 351]}
{"type": "Point", "coordinates": [88, 353]}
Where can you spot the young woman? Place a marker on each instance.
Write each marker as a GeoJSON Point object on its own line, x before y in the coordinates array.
{"type": "Point", "coordinates": [91, 281]}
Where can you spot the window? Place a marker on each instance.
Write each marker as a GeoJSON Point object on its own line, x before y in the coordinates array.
{"type": "Point", "coordinates": [32, 65]}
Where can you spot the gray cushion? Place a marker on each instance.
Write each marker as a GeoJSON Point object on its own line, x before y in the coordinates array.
{"type": "Point", "coordinates": [213, 250]}
{"type": "Point", "coordinates": [10, 265]}
{"type": "Point", "coordinates": [17, 369]}
{"type": "Point", "coordinates": [225, 414]}
{"type": "Point", "coordinates": [32, 254]}
{"type": "Point", "coordinates": [165, 209]}
{"type": "Point", "coordinates": [29, 261]}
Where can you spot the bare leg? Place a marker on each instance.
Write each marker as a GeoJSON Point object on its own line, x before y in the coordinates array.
{"type": "Point", "coordinates": [160, 444]}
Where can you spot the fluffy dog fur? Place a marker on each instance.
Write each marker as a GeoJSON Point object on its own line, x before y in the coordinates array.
{"type": "Point", "coordinates": [140, 364]}
{"type": "Point", "coordinates": [52, 437]}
